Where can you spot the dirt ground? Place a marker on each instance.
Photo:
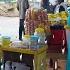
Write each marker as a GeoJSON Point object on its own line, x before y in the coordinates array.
{"type": "Point", "coordinates": [61, 65]}
{"type": "Point", "coordinates": [60, 58]}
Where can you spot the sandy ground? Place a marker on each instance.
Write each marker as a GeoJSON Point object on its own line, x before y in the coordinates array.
{"type": "Point", "coordinates": [61, 65]}
{"type": "Point", "coordinates": [8, 10]}
{"type": "Point", "coordinates": [9, 26]}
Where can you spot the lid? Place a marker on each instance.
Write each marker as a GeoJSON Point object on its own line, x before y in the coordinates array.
{"type": "Point", "coordinates": [5, 37]}
{"type": "Point", "coordinates": [34, 37]}
{"type": "Point", "coordinates": [26, 36]}
{"type": "Point", "coordinates": [40, 30]}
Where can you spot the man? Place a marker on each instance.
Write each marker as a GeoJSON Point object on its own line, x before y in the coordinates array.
{"type": "Point", "coordinates": [22, 6]}
{"type": "Point", "coordinates": [46, 4]}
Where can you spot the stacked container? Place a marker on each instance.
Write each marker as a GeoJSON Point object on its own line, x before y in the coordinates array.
{"type": "Point", "coordinates": [41, 34]}
{"type": "Point", "coordinates": [68, 47]}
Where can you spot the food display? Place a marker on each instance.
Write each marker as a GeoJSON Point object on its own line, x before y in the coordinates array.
{"type": "Point", "coordinates": [36, 14]}
{"type": "Point", "coordinates": [62, 17]}
{"type": "Point", "coordinates": [35, 18]}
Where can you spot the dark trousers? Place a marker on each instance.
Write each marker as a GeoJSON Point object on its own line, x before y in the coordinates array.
{"type": "Point", "coordinates": [21, 28]}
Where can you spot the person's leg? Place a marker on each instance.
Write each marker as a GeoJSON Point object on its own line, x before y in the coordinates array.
{"type": "Point", "coordinates": [21, 28]}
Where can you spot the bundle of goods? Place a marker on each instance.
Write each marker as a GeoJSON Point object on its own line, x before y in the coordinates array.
{"type": "Point", "coordinates": [36, 18]}
{"type": "Point", "coordinates": [36, 40]}
{"type": "Point", "coordinates": [31, 41]}
{"type": "Point", "coordinates": [36, 14]}
{"type": "Point", "coordinates": [62, 17]}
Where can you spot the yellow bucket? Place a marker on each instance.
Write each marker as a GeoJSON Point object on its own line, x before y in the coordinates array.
{"type": "Point", "coordinates": [5, 41]}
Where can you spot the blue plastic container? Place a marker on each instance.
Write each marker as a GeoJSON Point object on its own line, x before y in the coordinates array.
{"type": "Point", "coordinates": [68, 20]}
{"type": "Point", "coordinates": [68, 65]}
{"type": "Point", "coordinates": [68, 46]}
{"type": "Point", "coordinates": [68, 36]}
{"type": "Point", "coordinates": [34, 42]}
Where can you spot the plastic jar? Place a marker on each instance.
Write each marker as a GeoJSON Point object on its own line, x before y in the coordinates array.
{"type": "Point", "coordinates": [26, 40]}
{"type": "Point", "coordinates": [34, 42]}
{"type": "Point", "coordinates": [41, 34]}
{"type": "Point", "coordinates": [5, 41]}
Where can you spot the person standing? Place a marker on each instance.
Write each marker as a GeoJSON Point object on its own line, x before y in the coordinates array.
{"type": "Point", "coordinates": [45, 4]}
{"type": "Point", "coordinates": [22, 6]}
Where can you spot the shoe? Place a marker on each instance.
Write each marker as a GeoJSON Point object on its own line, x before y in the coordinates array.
{"type": "Point", "coordinates": [20, 39]}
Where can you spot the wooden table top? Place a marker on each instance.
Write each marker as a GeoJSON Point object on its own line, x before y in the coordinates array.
{"type": "Point", "coordinates": [23, 50]}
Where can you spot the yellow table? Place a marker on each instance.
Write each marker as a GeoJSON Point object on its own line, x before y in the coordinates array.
{"type": "Point", "coordinates": [38, 56]}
